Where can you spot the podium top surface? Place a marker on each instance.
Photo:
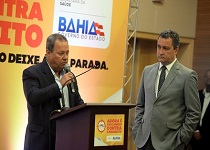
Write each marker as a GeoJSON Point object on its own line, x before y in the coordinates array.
{"type": "Point", "coordinates": [110, 104]}
{"type": "Point", "coordinates": [69, 110]}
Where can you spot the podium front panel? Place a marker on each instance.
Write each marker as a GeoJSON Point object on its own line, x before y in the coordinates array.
{"type": "Point", "coordinates": [95, 127]}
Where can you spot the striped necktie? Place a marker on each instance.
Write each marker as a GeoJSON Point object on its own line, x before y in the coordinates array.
{"type": "Point", "coordinates": [162, 77]}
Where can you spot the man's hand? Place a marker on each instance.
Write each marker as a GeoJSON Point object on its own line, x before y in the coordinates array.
{"type": "Point", "coordinates": [197, 135]}
{"type": "Point", "coordinates": [67, 79]}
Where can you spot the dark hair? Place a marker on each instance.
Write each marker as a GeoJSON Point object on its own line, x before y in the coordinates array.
{"type": "Point", "coordinates": [50, 43]}
{"type": "Point", "coordinates": [171, 34]}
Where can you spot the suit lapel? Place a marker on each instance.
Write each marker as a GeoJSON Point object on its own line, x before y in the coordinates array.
{"type": "Point", "coordinates": [46, 70]}
{"type": "Point", "coordinates": [71, 96]}
{"type": "Point", "coordinates": [153, 77]}
{"type": "Point", "coordinates": [51, 80]}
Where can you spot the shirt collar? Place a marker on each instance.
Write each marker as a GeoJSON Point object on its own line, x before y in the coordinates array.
{"type": "Point", "coordinates": [169, 65]}
{"type": "Point", "coordinates": [206, 93]}
{"type": "Point", "coordinates": [53, 72]}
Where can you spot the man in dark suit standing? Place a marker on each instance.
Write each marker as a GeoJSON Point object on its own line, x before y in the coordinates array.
{"type": "Point", "coordinates": [168, 106]}
{"type": "Point", "coordinates": [44, 86]}
{"type": "Point", "coordinates": [201, 137]}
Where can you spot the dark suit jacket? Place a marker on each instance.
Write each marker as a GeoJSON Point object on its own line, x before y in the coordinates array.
{"type": "Point", "coordinates": [205, 128]}
{"type": "Point", "coordinates": [42, 94]}
{"type": "Point", "coordinates": [204, 143]}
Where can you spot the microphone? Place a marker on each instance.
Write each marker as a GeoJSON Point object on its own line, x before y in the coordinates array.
{"type": "Point", "coordinates": [67, 68]}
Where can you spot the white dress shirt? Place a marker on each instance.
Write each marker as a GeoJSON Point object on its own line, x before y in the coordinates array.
{"type": "Point", "coordinates": [65, 89]}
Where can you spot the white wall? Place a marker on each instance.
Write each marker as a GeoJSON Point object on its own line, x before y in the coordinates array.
{"type": "Point", "coordinates": [178, 15]}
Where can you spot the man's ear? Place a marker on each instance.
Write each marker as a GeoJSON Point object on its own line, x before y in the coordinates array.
{"type": "Point", "coordinates": [176, 50]}
{"type": "Point", "coordinates": [47, 52]}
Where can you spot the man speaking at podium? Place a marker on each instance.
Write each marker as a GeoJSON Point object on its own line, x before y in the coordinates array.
{"type": "Point", "coordinates": [48, 88]}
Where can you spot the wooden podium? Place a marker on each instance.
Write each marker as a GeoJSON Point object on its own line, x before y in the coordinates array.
{"type": "Point", "coordinates": [93, 126]}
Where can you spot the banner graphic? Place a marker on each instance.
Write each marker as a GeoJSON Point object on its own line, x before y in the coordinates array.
{"type": "Point", "coordinates": [109, 129]}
